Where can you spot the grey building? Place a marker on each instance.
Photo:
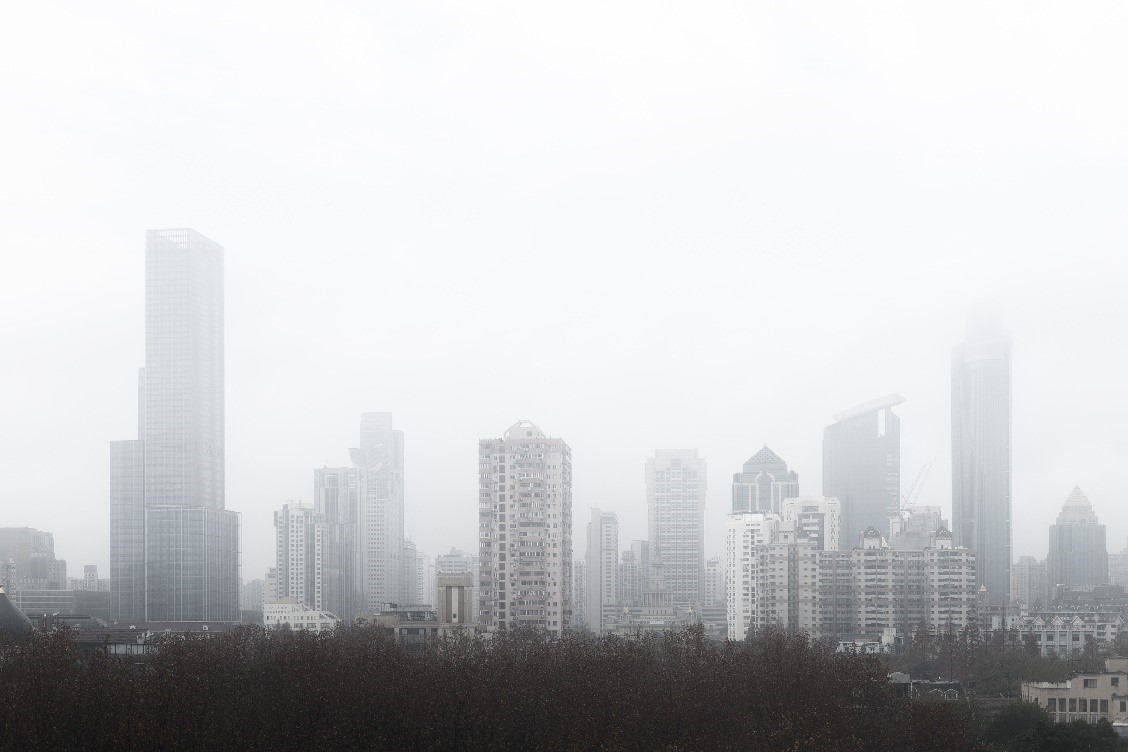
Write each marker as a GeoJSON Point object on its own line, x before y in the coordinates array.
{"type": "Point", "coordinates": [379, 461]}
{"type": "Point", "coordinates": [862, 466]}
{"type": "Point", "coordinates": [675, 495]}
{"type": "Point", "coordinates": [336, 495]}
{"type": "Point", "coordinates": [763, 484]}
{"type": "Point", "coordinates": [1028, 582]}
{"type": "Point", "coordinates": [981, 450]}
{"type": "Point", "coordinates": [30, 556]}
{"type": "Point", "coordinates": [174, 547]}
{"type": "Point", "coordinates": [1077, 554]}
{"type": "Point", "coordinates": [601, 569]}
{"type": "Point", "coordinates": [1118, 568]}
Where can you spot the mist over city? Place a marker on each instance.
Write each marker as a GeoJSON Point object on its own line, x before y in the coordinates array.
{"type": "Point", "coordinates": [304, 309]}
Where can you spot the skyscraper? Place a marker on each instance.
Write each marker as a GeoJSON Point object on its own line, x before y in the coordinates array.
{"type": "Point", "coordinates": [379, 459]}
{"type": "Point", "coordinates": [764, 483]}
{"type": "Point", "coordinates": [336, 495]}
{"type": "Point", "coordinates": [300, 554]}
{"type": "Point", "coordinates": [601, 568]}
{"type": "Point", "coordinates": [862, 466]}
{"type": "Point", "coordinates": [981, 450]}
{"type": "Point", "coordinates": [675, 495]}
{"type": "Point", "coordinates": [1078, 554]}
{"type": "Point", "coordinates": [174, 548]}
{"type": "Point", "coordinates": [525, 530]}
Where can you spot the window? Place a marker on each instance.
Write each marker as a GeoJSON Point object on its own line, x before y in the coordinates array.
{"type": "Point", "coordinates": [1116, 681]}
{"type": "Point", "coordinates": [1124, 706]}
{"type": "Point", "coordinates": [1051, 705]}
{"type": "Point", "coordinates": [1090, 683]}
{"type": "Point", "coordinates": [1072, 704]}
{"type": "Point", "coordinates": [1104, 706]}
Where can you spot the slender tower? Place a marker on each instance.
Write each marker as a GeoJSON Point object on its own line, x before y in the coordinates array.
{"type": "Point", "coordinates": [981, 449]}
{"type": "Point", "coordinates": [174, 547]}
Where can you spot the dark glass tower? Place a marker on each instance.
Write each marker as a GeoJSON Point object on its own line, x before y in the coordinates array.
{"type": "Point", "coordinates": [862, 466]}
{"type": "Point", "coordinates": [981, 450]}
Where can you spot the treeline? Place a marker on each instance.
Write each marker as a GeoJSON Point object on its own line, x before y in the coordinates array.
{"type": "Point", "coordinates": [355, 689]}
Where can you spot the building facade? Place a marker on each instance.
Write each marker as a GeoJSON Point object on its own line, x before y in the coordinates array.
{"type": "Point", "coordinates": [862, 466]}
{"type": "Point", "coordinates": [981, 450]}
{"type": "Point", "coordinates": [601, 568]}
{"type": "Point", "coordinates": [1029, 583]}
{"type": "Point", "coordinates": [1078, 553]}
{"type": "Point", "coordinates": [525, 531]}
{"type": "Point", "coordinates": [174, 547]}
{"type": "Point", "coordinates": [300, 554]}
{"type": "Point", "coordinates": [379, 462]}
{"type": "Point", "coordinates": [336, 498]}
{"type": "Point", "coordinates": [30, 556]}
{"type": "Point", "coordinates": [814, 518]}
{"type": "Point", "coordinates": [675, 494]}
{"type": "Point", "coordinates": [763, 484]}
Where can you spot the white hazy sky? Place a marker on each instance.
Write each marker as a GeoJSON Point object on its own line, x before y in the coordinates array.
{"type": "Point", "coordinates": [641, 225]}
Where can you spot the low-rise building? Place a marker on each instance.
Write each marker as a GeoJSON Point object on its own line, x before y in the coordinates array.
{"type": "Point", "coordinates": [291, 613]}
{"type": "Point", "coordinates": [1084, 697]}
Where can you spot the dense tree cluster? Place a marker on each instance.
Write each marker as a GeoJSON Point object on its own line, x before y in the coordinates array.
{"type": "Point", "coordinates": [355, 689]}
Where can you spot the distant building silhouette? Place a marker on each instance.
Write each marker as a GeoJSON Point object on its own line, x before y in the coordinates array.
{"type": "Point", "coordinates": [981, 450]}
{"type": "Point", "coordinates": [1029, 583]}
{"type": "Point", "coordinates": [379, 461]}
{"type": "Point", "coordinates": [174, 548]}
{"type": "Point", "coordinates": [763, 484]}
{"type": "Point", "coordinates": [525, 526]}
{"type": "Point", "coordinates": [601, 567]}
{"type": "Point", "coordinates": [862, 466]}
{"type": "Point", "coordinates": [675, 495]}
{"type": "Point", "coordinates": [1077, 554]}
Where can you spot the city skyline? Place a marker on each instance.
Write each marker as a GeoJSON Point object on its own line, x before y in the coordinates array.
{"type": "Point", "coordinates": [670, 214]}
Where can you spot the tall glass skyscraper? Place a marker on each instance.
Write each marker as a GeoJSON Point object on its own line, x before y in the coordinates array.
{"type": "Point", "coordinates": [862, 467]}
{"type": "Point", "coordinates": [379, 462]}
{"type": "Point", "coordinates": [1078, 553]}
{"type": "Point", "coordinates": [174, 548]}
{"type": "Point", "coordinates": [981, 450]}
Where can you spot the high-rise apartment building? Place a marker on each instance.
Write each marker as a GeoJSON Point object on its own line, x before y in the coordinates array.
{"type": "Point", "coordinates": [716, 589]}
{"type": "Point", "coordinates": [459, 562]}
{"type": "Point", "coordinates": [300, 534]}
{"type": "Point", "coordinates": [764, 483]}
{"type": "Point", "coordinates": [747, 532]}
{"type": "Point", "coordinates": [981, 450]}
{"type": "Point", "coordinates": [675, 495]}
{"type": "Point", "coordinates": [525, 531]}
{"type": "Point", "coordinates": [379, 460]}
{"type": "Point", "coordinates": [601, 569]}
{"type": "Point", "coordinates": [336, 497]}
{"type": "Point", "coordinates": [1078, 554]}
{"type": "Point", "coordinates": [174, 547]}
{"type": "Point", "coordinates": [862, 466]}
{"type": "Point", "coordinates": [864, 590]}
{"type": "Point", "coordinates": [31, 555]}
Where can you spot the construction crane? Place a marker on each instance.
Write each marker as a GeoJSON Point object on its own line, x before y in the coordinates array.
{"type": "Point", "coordinates": [909, 499]}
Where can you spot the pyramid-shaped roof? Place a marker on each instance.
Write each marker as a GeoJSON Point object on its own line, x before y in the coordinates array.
{"type": "Point", "coordinates": [1077, 508]}
{"type": "Point", "coordinates": [765, 457]}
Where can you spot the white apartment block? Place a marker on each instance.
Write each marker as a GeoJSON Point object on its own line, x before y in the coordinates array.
{"type": "Point", "coordinates": [601, 569]}
{"type": "Point", "coordinates": [675, 496]}
{"type": "Point", "coordinates": [300, 554]}
{"type": "Point", "coordinates": [716, 588]}
{"type": "Point", "coordinates": [746, 532]}
{"type": "Point", "coordinates": [815, 518]}
{"type": "Point", "coordinates": [525, 531]}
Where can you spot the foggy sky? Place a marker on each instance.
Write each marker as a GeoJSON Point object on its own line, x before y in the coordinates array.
{"type": "Point", "coordinates": [707, 224]}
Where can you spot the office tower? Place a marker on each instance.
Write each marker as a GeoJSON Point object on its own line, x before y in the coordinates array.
{"type": "Point", "coordinates": [174, 548]}
{"type": "Point", "coordinates": [525, 528]}
{"type": "Point", "coordinates": [379, 458]}
{"type": "Point", "coordinates": [579, 594]}
{"type": "Point", "coordinates": [913, 528]}
{"type": "Point", "coordinates": [764, 483]}
{"type": "Point", "coordinates": [601, 569]}
{"type": "Point", "coordinates": [675, 494]}
{"type": "Point", "coordinates": [1028, 582]}
{"type": "Point", "coordinates": [336, 496]}
{"type": "Point", "coordinates": [300, 554]}
{"type": "Point", "coordinates": [817, 519]}
{"type": "Point", "coordinates": [981, 450]}
{"type": "Point", "coordinates": [31, 556]}
{"type": "Point", "coordinates": [1077, 555]}
{"type": "Point", "coordinates": [417, 573]}
{"type": "Point", "coordinates": [630, 584]}
{"type": "Point", "coordinates": [862, 466]}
